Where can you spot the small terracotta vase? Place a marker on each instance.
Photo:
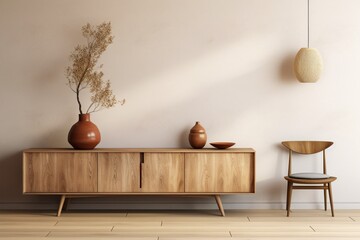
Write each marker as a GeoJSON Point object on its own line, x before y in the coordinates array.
{"type": "Point", "coordinates": [197, 136]}
{"type": "Point", "coordinates": [84, 134]}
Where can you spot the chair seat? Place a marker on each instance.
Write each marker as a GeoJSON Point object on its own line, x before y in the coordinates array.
{"type": "Point", "coordinates": [310, 181]}
{"type": "Point", "coordinates": [308, 175]}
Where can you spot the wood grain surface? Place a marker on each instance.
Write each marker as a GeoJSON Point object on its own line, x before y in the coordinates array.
{"type": "Point", "coordinates": [219, 172]}
{"type": "Point", "coordinates": [60, 172]}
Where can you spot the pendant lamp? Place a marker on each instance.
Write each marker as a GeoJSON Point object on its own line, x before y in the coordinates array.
{"type": "Point", "coordinates": [308, 63]}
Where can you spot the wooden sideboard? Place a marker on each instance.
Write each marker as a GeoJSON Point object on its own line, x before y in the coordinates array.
{"type": "Point", "coordinates": [74, 173]}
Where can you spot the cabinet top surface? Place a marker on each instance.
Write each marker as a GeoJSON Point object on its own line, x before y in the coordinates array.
{"type": "Point", "coordinates": [155, 150]}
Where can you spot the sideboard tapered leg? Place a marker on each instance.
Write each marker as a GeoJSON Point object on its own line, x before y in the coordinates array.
{"type": "Point", "coordinates": [220, 206]}
{"type": "Point", "coordinates": [62, 200]}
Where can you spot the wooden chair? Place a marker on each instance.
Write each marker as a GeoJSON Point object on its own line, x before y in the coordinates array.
{"type": "Point", "coordinates": [308, 147]}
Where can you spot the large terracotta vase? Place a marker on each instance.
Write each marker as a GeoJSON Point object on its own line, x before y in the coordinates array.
{"type": "Point", "coordinates": [84, 134]}
{"type": "Point", "coordinates": [197, 136]}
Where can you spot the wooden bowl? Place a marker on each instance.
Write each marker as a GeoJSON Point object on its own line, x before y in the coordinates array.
{"type": "Point", "coordinates": [222, 145]}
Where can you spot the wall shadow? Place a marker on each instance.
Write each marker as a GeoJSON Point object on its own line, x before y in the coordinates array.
{"type": "Point", "coordinates": [286, 70]}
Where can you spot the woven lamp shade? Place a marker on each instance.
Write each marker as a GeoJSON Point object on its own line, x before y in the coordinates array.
{"type": "Point", "coordinates": [308, 65]}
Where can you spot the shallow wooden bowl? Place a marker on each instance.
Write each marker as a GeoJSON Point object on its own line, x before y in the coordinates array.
{"type": "Point", "coordinates": [222, 145]}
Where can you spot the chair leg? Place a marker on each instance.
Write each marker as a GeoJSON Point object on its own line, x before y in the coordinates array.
{"type": "Point", "coordinates": [331, 200]}
{"type": "Point", "coordinates": [290, 186]}
{"type": "Point", "coordinates": [325, 198]}
{"type": "Point", "coordinates": [287, 195]}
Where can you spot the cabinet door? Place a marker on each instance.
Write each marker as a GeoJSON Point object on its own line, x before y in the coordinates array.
{"type": "Point", "coordinates": [163, 172]}
{"type": "Point", "coordinates": [119, 172]}
{"type": "Point", "coordinates": [219, 172]}
{"type": "Point", "coordinates": [60, 172]}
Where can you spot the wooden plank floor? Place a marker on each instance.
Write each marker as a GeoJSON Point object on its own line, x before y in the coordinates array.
{"type": "Point", "coordinates": [172, 225]}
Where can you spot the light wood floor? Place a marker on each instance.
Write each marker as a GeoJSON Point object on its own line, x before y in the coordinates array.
{"type": "Point", "coordinates": [171, 225]}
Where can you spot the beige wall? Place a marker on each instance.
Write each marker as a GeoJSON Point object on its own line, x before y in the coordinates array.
{"type": "Point", "coordinates": [226, 63]}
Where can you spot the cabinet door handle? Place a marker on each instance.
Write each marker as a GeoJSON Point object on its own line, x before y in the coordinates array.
{"type": "Point", "coordinates": [141, 168]}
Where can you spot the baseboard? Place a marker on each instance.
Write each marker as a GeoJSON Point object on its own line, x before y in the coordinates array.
{"type": "Point", "coordinates": [168, 206]}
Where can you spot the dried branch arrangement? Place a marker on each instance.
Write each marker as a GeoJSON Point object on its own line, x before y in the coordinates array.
{"type": "Point", "coordinates": [82, 73]}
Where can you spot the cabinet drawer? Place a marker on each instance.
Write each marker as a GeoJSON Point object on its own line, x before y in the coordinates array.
{"type": "Point", "coordinates": [219, 172]}
{"type": "Point", "coordinates": [60, 172]}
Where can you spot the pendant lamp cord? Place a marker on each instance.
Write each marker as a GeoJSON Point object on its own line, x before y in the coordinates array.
{"type": "Point", "coordinates": [308, 16]}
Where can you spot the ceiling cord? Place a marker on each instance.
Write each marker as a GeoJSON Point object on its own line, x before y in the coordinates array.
{"type": "Point", "coordinates": [308, 22]}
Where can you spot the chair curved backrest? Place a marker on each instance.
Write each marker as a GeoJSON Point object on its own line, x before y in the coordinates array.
{"type": "Point", "coordinates": [307, 147]}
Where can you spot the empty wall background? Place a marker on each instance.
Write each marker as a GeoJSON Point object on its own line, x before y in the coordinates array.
{"type": "Point", "coordinates": [227, 64]}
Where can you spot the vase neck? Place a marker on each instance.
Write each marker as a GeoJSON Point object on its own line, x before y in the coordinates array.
{"type": "Point", "coordinates": [84, 117]}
